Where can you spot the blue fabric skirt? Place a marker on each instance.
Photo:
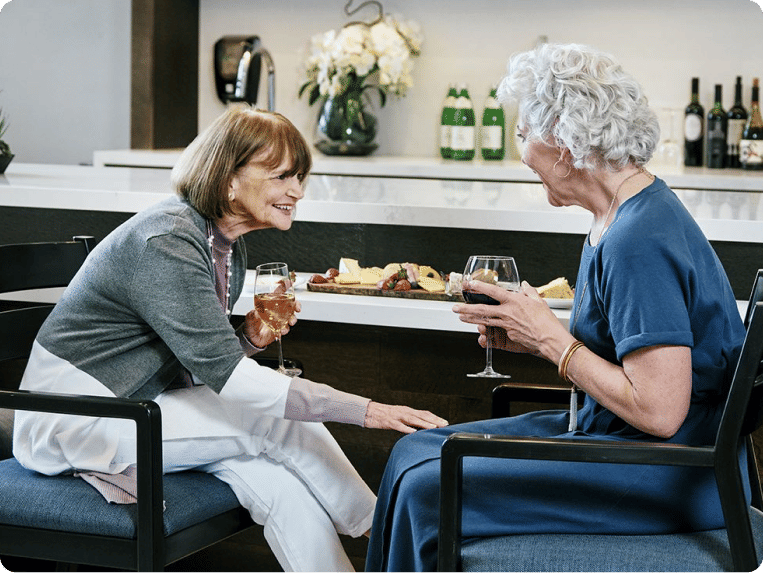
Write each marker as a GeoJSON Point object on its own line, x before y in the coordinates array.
{"type": "Point", "coordinates": [529, 496]}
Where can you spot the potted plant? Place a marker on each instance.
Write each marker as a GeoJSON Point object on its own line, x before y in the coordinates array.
{"type": "Point", "coordinates": [5, 150]}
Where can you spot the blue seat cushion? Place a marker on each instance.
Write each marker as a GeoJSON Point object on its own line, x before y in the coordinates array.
{"type": "Point", "coordinates": [696, 551]}
{"type": "Point", "coordinates": [68, 503]}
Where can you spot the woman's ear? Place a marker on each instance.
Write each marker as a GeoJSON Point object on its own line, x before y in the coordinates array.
{"type": "Point", "coordinates": [232, 189]}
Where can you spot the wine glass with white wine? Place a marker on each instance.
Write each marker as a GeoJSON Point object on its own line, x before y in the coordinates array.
{"type": "Point", "coordinates": [275, 303]}
{"type": "Point", "coordinates": [498, 271]}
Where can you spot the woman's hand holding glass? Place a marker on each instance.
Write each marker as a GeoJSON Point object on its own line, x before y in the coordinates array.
{"type": "Point", "coordinates": [259, 333]}
{"type": "Point", "coordinates": [276, 304]}
{"type": "Point", "coordinates": [522, 322]}
{"type": "Point", "coordinates": [496, 270]}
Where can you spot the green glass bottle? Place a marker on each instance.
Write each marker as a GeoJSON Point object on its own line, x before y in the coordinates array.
{"type": "Point", "coordinates": [717, 127]}
{"type": "Point", "coordinates": [446, 122]}
{"type": "Point", "coordinates": [493, 129]}
{"type": "Point", "coordinates": [694, 129]}
{"type": "Point", "coordinates": [462, 134]}
{"type": "Point", "coordinates": [737, 117]}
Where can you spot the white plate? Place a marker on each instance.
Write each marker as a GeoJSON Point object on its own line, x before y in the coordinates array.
{"type": "Point", "coordinates": [559, 302]}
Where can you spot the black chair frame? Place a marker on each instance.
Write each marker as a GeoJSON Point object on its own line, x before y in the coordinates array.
{"type": "Point", "coordinates": [721, 456]}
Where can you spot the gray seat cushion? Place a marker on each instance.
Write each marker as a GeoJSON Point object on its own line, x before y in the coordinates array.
{"type": "Point", "coordinates": [697, 551]}
{"type": "Point", "coordinates": [68, 503]}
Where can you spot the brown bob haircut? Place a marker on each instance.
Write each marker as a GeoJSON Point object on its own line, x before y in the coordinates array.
{"type": "Point", "coordinates": [204, 170]}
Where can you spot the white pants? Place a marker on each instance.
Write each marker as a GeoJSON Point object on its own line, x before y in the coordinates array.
{"type": "Point", "coordinates": [291, 476]}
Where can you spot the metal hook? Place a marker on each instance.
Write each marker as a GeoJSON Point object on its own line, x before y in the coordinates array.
{"type": "Point", "coordinates": [349, 12]}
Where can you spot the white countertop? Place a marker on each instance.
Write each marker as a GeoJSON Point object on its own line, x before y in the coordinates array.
{"type": "Point", "coordinates": [437, 168]}
{"type": "Point", "coordinates": [349, 309]}
{"type": "Point", "coordinates": [338, 308]}
{"type": "Point", "coordinates": [505, 206]}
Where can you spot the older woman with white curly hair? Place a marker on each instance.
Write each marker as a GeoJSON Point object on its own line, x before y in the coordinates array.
{"type": "Point", "coordinates": [653, 337]}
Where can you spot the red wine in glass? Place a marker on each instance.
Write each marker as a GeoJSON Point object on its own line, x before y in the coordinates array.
{"type": "Point", "coordinates": [495, 270]}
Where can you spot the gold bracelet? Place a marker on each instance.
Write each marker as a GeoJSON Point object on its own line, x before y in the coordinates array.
{"type": "Point", "coordinates": [564, 361]}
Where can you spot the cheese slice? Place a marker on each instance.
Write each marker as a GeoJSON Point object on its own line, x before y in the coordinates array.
{"type": "Point", "coordinates": [347, 279]}
{"type": "Point", "coordinates": [350, 266]}
{"type": "Point", "coordinates": [557, 288]}
{"type": "Point", "coordinates": [370, 276]}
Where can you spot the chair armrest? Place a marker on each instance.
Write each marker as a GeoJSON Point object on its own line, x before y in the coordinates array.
{"type": "Point", "coordinates": [461, 445]}
{"type": "Point", "coordinates": [508, 392]}
{"type": "Point", "coordinates": [148, 425]}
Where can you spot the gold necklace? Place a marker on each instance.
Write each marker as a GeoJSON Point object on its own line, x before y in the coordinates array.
{"type": "Point", "coordinates": [604, 229]}
{"type": "Point", "coordinates": [573, 391]}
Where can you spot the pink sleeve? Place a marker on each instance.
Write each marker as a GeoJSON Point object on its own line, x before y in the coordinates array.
{"type": "Point", "coordinates": [313, 402]}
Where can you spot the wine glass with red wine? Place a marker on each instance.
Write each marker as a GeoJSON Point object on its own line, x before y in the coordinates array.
{"type": "Point", "coordinates": [499, 271]}
{"type": "Point", "coordinates": [275, 303]}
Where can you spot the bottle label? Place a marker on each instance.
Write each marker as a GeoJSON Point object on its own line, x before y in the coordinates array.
{"type": "Point", "coordinates": [716, 144]}
{"type": "Point", "coordinates": [462, 137]}
{"type": "Point", "coordinates": [445, 136]}
{"type": "Point", "coordinates": [734, 136]}
{"type": "Point", "coordinates": [492, 137]}
{"type": "Point", "coordinates": [693, 127]}
{"type": "Point", "coordinates": [751, 151]}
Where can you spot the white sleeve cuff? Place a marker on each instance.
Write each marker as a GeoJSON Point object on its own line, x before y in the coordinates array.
{"type": "Point", "coordinates": [262, 388]}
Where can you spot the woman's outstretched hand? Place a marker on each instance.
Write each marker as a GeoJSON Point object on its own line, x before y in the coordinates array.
{"type": "Point", "coordinates": [400, 418]}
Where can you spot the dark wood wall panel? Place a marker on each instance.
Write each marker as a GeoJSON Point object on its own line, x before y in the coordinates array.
{"type": "Point", "coordinates": [165, 73]}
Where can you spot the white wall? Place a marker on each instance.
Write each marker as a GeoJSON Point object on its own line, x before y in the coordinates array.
{"type": "Point", "coordinates": [65, 66]}
{"type": "Point", "coordinates": [662, 42]}
{"type": "Point", "coordinates": [65, 78]}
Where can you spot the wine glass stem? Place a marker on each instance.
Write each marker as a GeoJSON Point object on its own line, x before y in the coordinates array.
{"type": "Point", "coordinates": [281, 367]}
{"type": "Point", "coordinates": [488, 354]}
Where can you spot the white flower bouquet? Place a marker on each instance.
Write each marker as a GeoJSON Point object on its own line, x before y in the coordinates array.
{"type": "Point", "coordinates": [360, 56]}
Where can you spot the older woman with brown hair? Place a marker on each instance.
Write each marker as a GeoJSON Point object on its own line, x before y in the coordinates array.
{"type": "Point", "coordinates": [653, 337]}
{"type": "Point", "coordinates": [147, 317]}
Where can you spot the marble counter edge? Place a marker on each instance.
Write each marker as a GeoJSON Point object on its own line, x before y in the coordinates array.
{"type": "Point", "coordinates": [437, 168]}
{"type": "Point", "coordinates": [131, 190]}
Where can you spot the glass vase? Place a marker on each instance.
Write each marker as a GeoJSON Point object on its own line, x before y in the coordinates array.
{"type": "Point", "coordinates": [345, 126]}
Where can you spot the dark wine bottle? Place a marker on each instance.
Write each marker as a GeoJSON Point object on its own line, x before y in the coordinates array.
{"type": "Point", "coordinates": [717, 127]}
{"type": "Point", "coordinates": [737, 117]}
{"type": "Point", "coordinates": [751, 146]}
{"type": "Point", "coordinates": [694, 119]}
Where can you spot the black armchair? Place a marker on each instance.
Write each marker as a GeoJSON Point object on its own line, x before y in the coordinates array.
{"type": "Point", "coordinates": [736, 547]}
{"type": "Point", "coordinates": [64, 519]}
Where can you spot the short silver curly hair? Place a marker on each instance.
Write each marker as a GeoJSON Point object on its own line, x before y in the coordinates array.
{"type": "Point", "coordinates": [582, 100]}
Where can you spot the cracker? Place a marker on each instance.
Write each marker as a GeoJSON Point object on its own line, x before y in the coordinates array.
{"type": "Point", "coordinates": [431, 285]}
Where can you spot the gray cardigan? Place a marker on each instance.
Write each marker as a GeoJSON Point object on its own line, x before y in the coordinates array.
{"type": "Point", "coordinates": [144, 303]}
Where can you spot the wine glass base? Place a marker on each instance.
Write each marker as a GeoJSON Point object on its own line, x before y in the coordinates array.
{"type": "Point", "coordinates": [293, 372]}
{"type": "Point", "coordinates": [487, 374]}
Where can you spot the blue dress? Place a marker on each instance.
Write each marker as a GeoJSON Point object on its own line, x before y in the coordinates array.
{"type": "Point", "coordinates": [653, 279]}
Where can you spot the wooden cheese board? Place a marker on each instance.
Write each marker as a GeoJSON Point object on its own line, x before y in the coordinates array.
{"type": "Point", "coordinates": [371, 290]}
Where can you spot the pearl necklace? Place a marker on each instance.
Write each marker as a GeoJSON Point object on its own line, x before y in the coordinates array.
{"type": "Point", "coordinates": [228, 273]}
